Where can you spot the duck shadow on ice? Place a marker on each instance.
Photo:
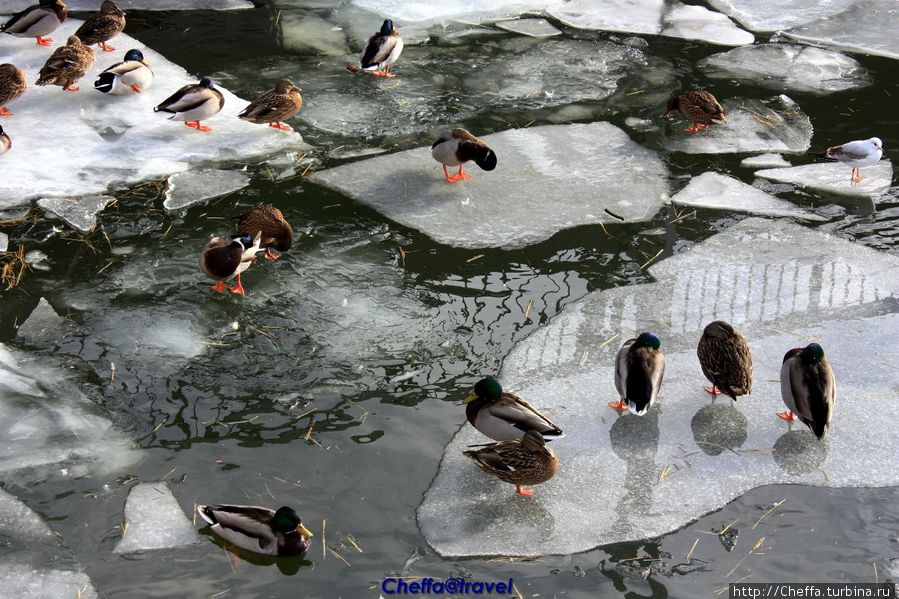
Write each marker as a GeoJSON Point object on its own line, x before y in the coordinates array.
{"type": "Point", "coordinates": [635, 440]}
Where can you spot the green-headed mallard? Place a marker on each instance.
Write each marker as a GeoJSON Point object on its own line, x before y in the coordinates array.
{"type": "Point", "coordinates": [503, 416]}
{"type": "Point", "coordinates": [102, 26]}
{"type": "Point", "coordinates": [37, 21]}
{"type": "Point", "coordinates": [639, 369]}
{"type": "Point", "coordinates": [458, 146]}
{"type": "Point", "coordinates": [67, 65]}
{"type": "Point", "coordinates": [808, 387]}
{"type": "Point", "coordinates": [5, 142]}
{"type": "Point", "coordinates": [725, 360]}
{"type": "Point", "coordinates": [193, 103]}
{"type": "Point", "coordinates": [258, 529]}
{"type": "Point", "coordinates": [525, 461]}
{"type": "Point", "coordinates": [858, 153]}
{"type": "Point", "coordinates": [701, 107]}
{"type": "Point", "coordinates": [12, 85]}
{"type": "Point", "coordinates": [275, 106]}
{"type": "Point", "coordinates": [224, 258]}
{"type": "Point", "coordinates": [132, 76]}
{"type": "Point", "coordinates": [381, 51]}
{"type": "Point", "coordinates": [268, 221]}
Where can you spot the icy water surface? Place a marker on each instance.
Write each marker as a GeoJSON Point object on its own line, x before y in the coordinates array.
{"type": "Point", "coordinates": [334, 385]}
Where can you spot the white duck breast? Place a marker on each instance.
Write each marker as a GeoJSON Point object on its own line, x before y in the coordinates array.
{"type": "Point", "coordinates": [381, 51]}
{"type": "Point", "coordinates": [193, 103]}
{"type": "Point", "coordinates": [36, 23]}
{"type": "Point", "coordinates": [119, 78]}
{"type": "Point", "coordinates": [445, 148]}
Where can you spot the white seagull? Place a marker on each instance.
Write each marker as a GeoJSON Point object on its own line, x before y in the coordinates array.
{"type": "Point", "coordinates": [857, 154]}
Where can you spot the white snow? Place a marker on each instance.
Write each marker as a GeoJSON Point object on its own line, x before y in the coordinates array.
{"type": "Point", "coordinates": [788, 67]}
{"type": "Point", "coordinates": [529, 27]}
{"type": "Point", "coordinates": [199, 185]}
{"type": "Point", "coordinates": [774, 125]}
{"type": "Point", "coordinates": [154, 520]}
{"type": "Point", "coordinates": [714, 190]}
{"type": "Point", "coordinates": [833, 177]}
{"type": "Point", "coordinates": [548, 179]}
{"type": "Point", "coordinates": [79, 213]}
{"type": "Point", "coordinates": [75, 144]}
{"type": "Point", "coordinates": [624, 479]}
{"type": "Point", "coordinates": [867, 27]}
{"type": "Point", "coordinates": [764, 161]}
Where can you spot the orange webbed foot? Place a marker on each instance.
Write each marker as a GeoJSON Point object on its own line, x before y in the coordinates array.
{"type": "Point", "coordinates": [618, 405]}
{"type": "Point", "coordinates": [385, 74]}
{"type": "Point", "coordinates": [788, 416]}
{"type": "Point", "coordinates": [136, 89]}
{"type": "Point", "coordinates": [218, 287]}
{"type": "Point", "coordinates": [70, 88]}
{"type": "Point", "coordinates": [270, 255]}
{"type": "Point", "coordinates": [693, 129]}
{"type": "Point", "coordinates": [203, 128]}
{"type": "Point", "coordinates": [237, 289]}
{"type": "Point", "coordinates": [105, 47]}
{"type": "Point", "coordinates": [44, 41]}
{"type": "Point", "coordinates": [281, 126]}
{"type": "Point", "coordinates": [4, 112]}
{"type": "Point", "coordinates": [715, 391]}
{"type": "Point", "coordinates": [525, 492]}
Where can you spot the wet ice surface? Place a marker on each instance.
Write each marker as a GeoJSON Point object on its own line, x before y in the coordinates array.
{"type": "Point", "coordinates": [193, 187]}
{"type": "Point", "coordinates": [19, 521]}
{"type": "Point", "coordinates": [833, 177]}
{"type": "Point", "coordinates": [79, 213]}
{"type": "Point", "coordinates": [429, 11]}
{"type": "Point", "coordinates": [867, 26]}
{"type": "Point", "coordinates": [629, 478]}
{"type": "Point", "coordinates": [775, 125]}
{"type": "Point", "coordinates": [529, 27]}
{"type": "Point", "coordinates": [43, 326]}
{"type": "Point", "coordinates": [597, 165]}
{"type": "Point", "coordinates": [788, 66]}
{"type": "Point", "coordinates": [11, 6]}
{"type": "Point", "coordinates": [698, 23]}
{"type": "Point", "coordinates": [774, 15]}
{"type": "Point", "coordinates": [764, 161]}
{"type": "Point", "coordinates": [21, 580]}
{"type": "Point", "coordinates": [4, 242]}
{"type": "Point", "coordinates": [714, 190]}
{"type": "Point", "coordinates": [120, 139]}
{"type": "Point", "coordinates": [155, 520]}
{"type": "Point", "coordinates": [52, 429]}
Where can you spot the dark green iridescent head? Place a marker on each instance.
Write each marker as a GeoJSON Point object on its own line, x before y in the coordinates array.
{"type": "Point", "coordinates": [650, 340]}
{"type": "Point", "coordinates": [285, 520]}
{"type": "Point", "coordinates": [486, 388]}
{"type": "Point", "coordinates": [814, 352]}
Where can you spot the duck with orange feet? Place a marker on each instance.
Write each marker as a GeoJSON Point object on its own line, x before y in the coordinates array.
{"type": "Point", "coordinates": [193, 103]}
{"type": "Point", "coordinates": [131, 76]}
{"type": "Point", "coordinates": [381, 51]}
{"type": "Point", "coordinates": [269, 223]}
{"type": "Point", "coordinates": [37, 21]}
{"type": "Point", "coordinates": [725, 360]}
{"type": "Point", "coordinates": [525, 461]}
{"type": "Point", "coordinates": [808, 388]}
{"type": "Point", "coordinates": [701, 107]}
{"type": "Point", "coordinates": [276, 105]}
{"type": "Point", "coordinates": [12, 85]}
{"type": "Point", "coordinates": [67, 65]}
{"type": "Point", "coordinates": [639, 369]}
{"type": "Point", "coordinates": [224, 258]}
{"type": "Point", "coordinates": [458, 146]}
{"type": "Point", "coordinates": [103, 26]}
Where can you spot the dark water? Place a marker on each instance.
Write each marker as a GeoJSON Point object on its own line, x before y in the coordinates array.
{"type": "Point", "coordinates": [338, 386]}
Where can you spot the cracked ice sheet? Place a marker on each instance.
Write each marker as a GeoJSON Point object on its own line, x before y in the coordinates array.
{"type": "Point", "coordinates": [774, 125]}
{"type": "Point", "coordinates": [596, 164]}
{"type": "Point", "coordinates": [833, 177]}
{"type": "Point", "coordinates": [11, 6]}
{"type": "Point", "coordinates": [426, 11]}
{"type": "Point", "coordinates": [775, 15]}
{"type": "Point", "coordinates": [788, 66]}
{"type": "Point", "coordinates": [866, 27]}
{"type": "Point", "coordinates": [154, 520]}
{"type": "Point", "coordinates": [714, 190]}
{"type": "Point", "coordinates": [120, 140]}
{"type": "Point", "coordinates": [781, 285]}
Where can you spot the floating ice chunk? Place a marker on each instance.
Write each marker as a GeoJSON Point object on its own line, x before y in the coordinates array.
{"type": "Point", "coordinates": [43, 326]}
{"type": "Point", "coordinates": [428, 10]}
{"type": "Point", "coordinates": [775, 15]}
{"type": "Point", "coordinates": [530, 27]}
{"type": "Point", "coordinates": [21, 580]}
{"type": "Point", "coordinates": [713, 190]}
{"type": "Point", "coordinates": [20, 521]}
{"type": "Point", "coordinates": [699, 23]}
{"type": "Point", "coordinates": [764, 161]}
{"type": "Point", "coordinates": [631, 16]}
{"type": "Point", "coordinates": [306, 31]}
{"type": "Point", "coordinates": [775, 125]}
{"type": "Point", "coordinates": [628, 478]}
{"type": "Point", "coordinates": [79, 213]}
{"type": "Point", "coordinates": [4, 242]}
{"type": "Point", "coordinates": [193, 187]}
{"type": "Point", "coordinates": [597, 165]}
{"type": "Point", "coordinates": [833, 177]}
{"type": "Point", "coordinates": [120, 139]}
{"type": "Point", "coordinates": [868, 27]}
{"type": "Point", "coordinates": [10, 6]}
{"type": "Point", "coordinates": [49, 424]}
{"type": "Point", "coordinates": [154, 520]}
{"type": "Point", "coordinates": [638, 124]}
{"type": "Point", "coordinates": [787, 66]}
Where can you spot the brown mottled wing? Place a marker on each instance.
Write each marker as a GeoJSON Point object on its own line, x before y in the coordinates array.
{"type": "Point", "coordinates": [100, 28]}
{"type": "Point", "coordinates": [270, 107]}
{"type": "Point", "coordinates": [503, 457]}
{"type": "Point", "coordinates": [701, 106]}
{"type": "Point", "coordinates": [66, 63]}
{"type": "Point", "coordinates": [276, 231]}
{"type": "Point", "coordinates": [377, 50]}
{"type": "Point", "coordinates": [12, 84]}
{"type": "Point", "coordinates": [727, 363]}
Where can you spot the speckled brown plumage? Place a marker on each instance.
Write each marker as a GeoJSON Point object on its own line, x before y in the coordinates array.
{"type": "Point", "coordinates": [67, 64]}
{"type": "Point", "coordinates": [526, 461]}
{"type": "Point", "coordinates": [276, 231]}
{"type": "Point", "coordinates": [274, 106]}
{"type": "Point", "coordinates": [725, 359]}
{"type": "Point", "coordinates": [701, 107]}
{"type": "Point", "coordinates": [12, 85]}
{"type": "Point", "coordinates": [103, 26]}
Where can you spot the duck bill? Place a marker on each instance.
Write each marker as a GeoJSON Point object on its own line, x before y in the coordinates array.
{"type": "Point", "coordinates": [304, 531]}
{"type": "Point", "coordinates": [470, 398]}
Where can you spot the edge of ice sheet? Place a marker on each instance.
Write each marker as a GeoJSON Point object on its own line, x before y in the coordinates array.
{"type": "Point", "coordinates": [559, 167]}
{"type": "Point", "coordinates": [119, 140]}
{"type": "Point", "coordinates": [792, 285]}
{"type": "Point", "coordinates": [865, 27]}
{"type": "Point", "coordinates": [78, 213]}
{"type": "Point", "coordinates": [833, 177]}
{"type": "Point", "coordinates": [154, 520]}
{"type": "Point", "coordinates": [11, 6]}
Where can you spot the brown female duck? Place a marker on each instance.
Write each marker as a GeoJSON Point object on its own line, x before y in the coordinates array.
{"type": "Point", "coordinates": [67, 65]}
{"type": "Point", "coordinates": [103, 26]}
{"type": "Point", "coordinates": [725, 360]}
{"type": "Point", "coordinates": [275, 106]}
{"type": "Point", "coordinates": [12, 85]}
{"type": "Point", "coordinates": [527, 461]}
{"type": "Point", "coordinates": [701, 107]}
{"type": "Point", "coordinates": [265, 219]}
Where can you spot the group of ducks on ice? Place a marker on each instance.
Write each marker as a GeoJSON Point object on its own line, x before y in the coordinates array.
{"type": "Point", "coordinates": [519, 454]}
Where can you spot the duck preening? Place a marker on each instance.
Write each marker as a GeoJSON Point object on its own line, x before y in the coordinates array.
{"type": "Point", "coordinates": [268, 222]}
{"type": "Point", "coordinates": [639, 369]}
{"type": "Point", "coordinates": [258, 529]}
{"type": "Point", "coordinates": [5, 142]}
{"type": "Point", "coordinates": [525, 461]}
{"type": "Point", "coordinates": [37, 21]}
{"type": "Point", "coordinates": [725, 360]}
{"type": "Point", "coordinates": [808, 388]}
{"type": "Point", "coordinates": [458, 146]}
{"type": "Point", "coordinates": [701, 107]}
{"type": "Point", "coordinates": [194, 103]}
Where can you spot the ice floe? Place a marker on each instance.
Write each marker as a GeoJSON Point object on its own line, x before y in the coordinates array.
{"type": "Point", "coordinates": [119, 138]}
{"type": "Point", "coordinates": [627, 478]}
{"type": "Point", "coordinates": [430, 11]}
{"type": "Point", "coordinates": [521, 202]}
{"type": "Point", "coordinates": [714, 190]}
{"type": "Point", "coordinates": [10, 6]}
{"type": "Point", "coordinates": [51, 427]}
{"type": "Point", "coordinates": [155, 520]}
{"type": "Point", "coordinates": [866, 27]}
{"type": "Point", "coordinates": [4, 242]}
{"type": "Point", "coordinates": [764, 161]}
{"type": "Point", "coordinates": [23, 580]}
{"type": "Point", "coordinates": [20, 521]}
{"type": "Point", "coordinates": [530, 27]}
{"type": "Point", "coordinates": [775, 15]}
{"type": "Point", "coordinates": [774, 125]}
{"type": "Point", "coordinates": [698, 23]}
{"type": "Point", "coordinates": [79, 213]}
{"type": "Point", "coordinates": [833, 177]}
{"type": "Point", "coordinates": [43, 326]}
{"type": "Point", "coordinates": [788, 66]}
{"type": "Point", "coordinates": [187, 189]}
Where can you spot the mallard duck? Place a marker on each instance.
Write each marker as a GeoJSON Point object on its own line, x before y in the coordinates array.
{"type": "Point", "coordinates": [131, 76]}
{"type": "Point", "coordinates": [223, 258]}
{"type": "Point", "coordinates": [639, 368]}
{"type": "Point", "coordinates": [808, 387]}
{"type": "Point", "coordinates": [525, 461]}
{"type": "Point", "coordinates": [858, 153]}
{"type": "Point", "coordinates": [12, 85]}
{"type": "Point", "coordinates": [67, 65]}
{"type": "Point", "coordinates": [725, 360]}
{"type": "Point", "coordinates": [504, 416]}
{"type": "Point", "coordinates": [267, 221]}
{"type": "Point", "coordinates": [258, 529]}
{"type": "Point", "coordinates": [5, 142]}
{"type": "Point", "coordinates": [701, 107]}
{"type": "Point", "coordinates": [103, 26]}
{"type": "Point", "coordinates": [381, 51]}
{"type": "Point", "coordinates": [37, 21]}
{"type": "Point", "coordinates": [275, 106]}
{"type": "Point", "coordinates": [458, 146]}
{"type": "Point", "coordinates": [194, 103]}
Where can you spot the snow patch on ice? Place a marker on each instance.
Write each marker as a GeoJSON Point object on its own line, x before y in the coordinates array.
{"type": "Point", "coordinates": [155, 520]}
{"type": "Point", "coordinates": [20, 521]}
{"type": "Point", "coordinates": [699, 23]}
{"type": "Point", "coordinates": [775, 15]}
